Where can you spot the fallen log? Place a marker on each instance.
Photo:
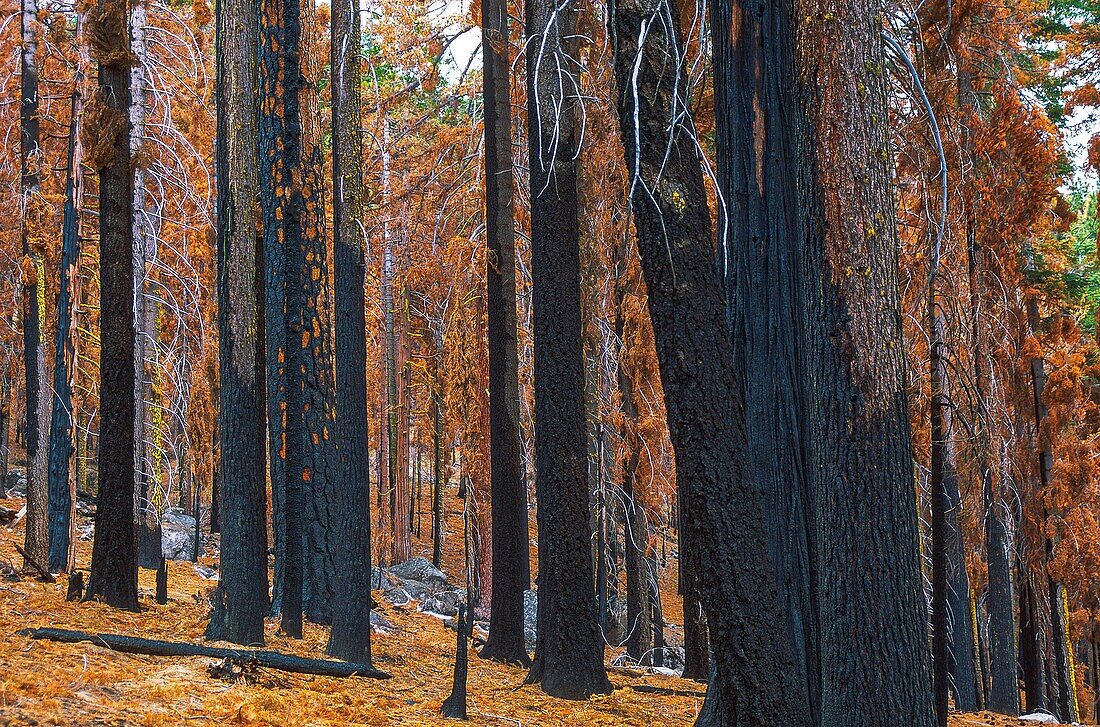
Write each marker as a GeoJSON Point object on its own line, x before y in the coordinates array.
{"type": "Point", "coordinates": [156, 647]}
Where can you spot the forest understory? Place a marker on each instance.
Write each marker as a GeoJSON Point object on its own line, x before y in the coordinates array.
{"type": "Point", "coordinates": [49, 683]}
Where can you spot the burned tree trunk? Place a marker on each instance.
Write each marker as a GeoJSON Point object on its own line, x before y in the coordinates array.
{"type": "Point", "coordinates": [873, 652]}
{"type": "Point", "coordinates": [350, 635]}
{"type": "Point", "coordinates": [242, 597]}
{"type": "Point", "coordinates": [62, 501]}
{"type": "Point", "coordinates": [752, 682]}
{"type": "Point", "coordinates": [509, 538]}
{"type": "Point", "coordinates": [568, 647]}
{"type": "Point", "coordinates": [37, 407]}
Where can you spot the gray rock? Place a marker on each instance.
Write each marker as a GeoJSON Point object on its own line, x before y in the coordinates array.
{"type": "Point", "coordinates": [445, 603]}
{"type": "Point", "coordinates": [380, 624]}
{"type": "Point", "coordinates": [530, 616]}
{"type": "Point", "coordinates": [418, 569]}
{"type": "Point", "coordinates": [177, 535]}
{"type": "Point", "coordinates": [17, 482]}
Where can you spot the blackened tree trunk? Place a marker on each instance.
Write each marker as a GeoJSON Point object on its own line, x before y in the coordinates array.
{"type": "Point", "coordinates": [438, 475]}
{"type": "Point", "coordinates": [5, 432]}
{"type": "Point", "coordinates": [242, 598]}
{"type": "Point", "coordinates": [510, 562]}
{"type": "Point", "coordinates": [755, 111]}
{"type": "Point", "coordinates": [319, 409]}
{"type": "Point", "coordinates": [872, 623]}
{"type": "Point", "coordinates": [639, 629]}
{"type": "Point", "coordinates": [283, 249]}
{"type": "Point", "coordinates": [350, 636]}
{"type": "Point", "coordinates": [1032, 649]}
{"type": "Point", "coordinates": [696, 638]}
{"type": "Point", "coordinates": [943, 663]}
{"type": "Point", "coordinates": [752, 681]}
{"type": "Point", "coordinates": [568, 646]}
{"type": "Point", "coordinates": [61, 485]}
{"type": "Point", "coordinates": [1063, 684]}
{"type": "Point", "coordinates": [965, 669]}
{"type": "Point", "coordinates": [36, 411]}
{"type": "Point", "coordinates": [113, 575]}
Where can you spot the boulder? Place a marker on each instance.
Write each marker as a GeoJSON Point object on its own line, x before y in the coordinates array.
{"type": "Point", "coordinates": [444, 603]}
{"type": "Point", "coordinates": [419, 569]}
{"type": "Point", "coordinates": [530, 617]}
{"type": "Point", "coordinates": [17, 482]}
{"type": "Point", "coordinates": [177, 535]}
{"type": "Point", "coordinates": [380, 624]}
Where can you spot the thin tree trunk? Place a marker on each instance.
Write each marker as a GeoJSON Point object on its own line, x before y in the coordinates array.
{"type": "Point", "coordinates": [36, 410]}
{"type": "Point", "coordinates": [149, 535]}
{"type": "Point", "coordinates": [62, 501]}
{"type": "Point", "coordinates": [113, 574]}
{"type": "Point", "coordinates": [5, 433]}
{"type": "Point", "coordinates": [437, 479]}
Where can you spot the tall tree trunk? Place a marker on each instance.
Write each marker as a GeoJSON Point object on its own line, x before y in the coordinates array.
{"type": "Point", "coordinates": [35, 542]}
{"type": "Point", "coordinates": [62, 500]}
{"type": "Point", "coordinates": [280, 172]}
{"type": "Point", "coordinates": [399, 490]}
{"type": "Point", "coordinates": [568, 646]}
{"type": "Point", "coordinates": [872, 640]}
{"type": "Point", "coordinates": [940, 473]}
{"type": "Point", "coordinates": [242, 601]}
{"type": "Point", "coordinates": [754, 107]}
{"type": "Point", "coordinates": [639, 630]}
{"type": "Point", "coordinates": [697, 662]}
{"type": "Point", "coordinates": [1063, 683]}
{"type": "Point", "coordinates": [113, 575]}
{"type": "Point", "coordinates": [350, 635]}
{"type": "Point", "coordinates": [5, 432]}
{"type": "Point", "coordinates": [510, 561]}
{"type": "Point", "coordinates": [439, 479]}
{"type": "Point", "coordinates": [752, 681]}
{"type": "Point", "coordinates": [149, 536]}
{"type": "Point", "coordinates": [1031, 645]}
{"type": "Point", "coordinates": [1004, 692]}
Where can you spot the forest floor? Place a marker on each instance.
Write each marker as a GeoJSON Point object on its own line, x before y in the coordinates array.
{"type": "Point", "coordinates": [47, 683]}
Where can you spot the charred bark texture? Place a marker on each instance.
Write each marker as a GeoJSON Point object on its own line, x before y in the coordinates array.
{"type": "Point", "coordinates": [113, 573]}
{"type": "Point", "coordinates": [871, 616]}
{"type": "Point", "coordinates": [760, 236]}
{"type": "Point", "coordinates": [509, 540]}
{"type": "Point", "coordinates": [751, 682]}
{"type": "Point", "coordinates": [568, 646]}
{"type": "Point", "coordinates": [349, 638]}
{"type": "Point", "coordinates": [36, 409]}
{"type": "Point", "coordinates": [62, 501]}
{"type": "Point", "coordinates": [242, 598]}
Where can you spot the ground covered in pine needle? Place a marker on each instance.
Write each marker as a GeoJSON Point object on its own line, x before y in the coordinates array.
{"type": "Point", "coordinates": [48, 683]}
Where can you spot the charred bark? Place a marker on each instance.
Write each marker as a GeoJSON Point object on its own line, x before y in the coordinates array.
{"type": "Point", "coordinates": [751, 682]}
{"type": "Point", "coordinates": [349, 638]}
{"type": "Point", "coordinates": [873, 655]}
{"type": "Point", "coordinates": [62, 500]}
{"type": "Point", "coordinates": [568, 646]}
{"type": "Point", "coordinates": [113, 573]}
{"type": "Point", "coordinates": [242, 597]}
